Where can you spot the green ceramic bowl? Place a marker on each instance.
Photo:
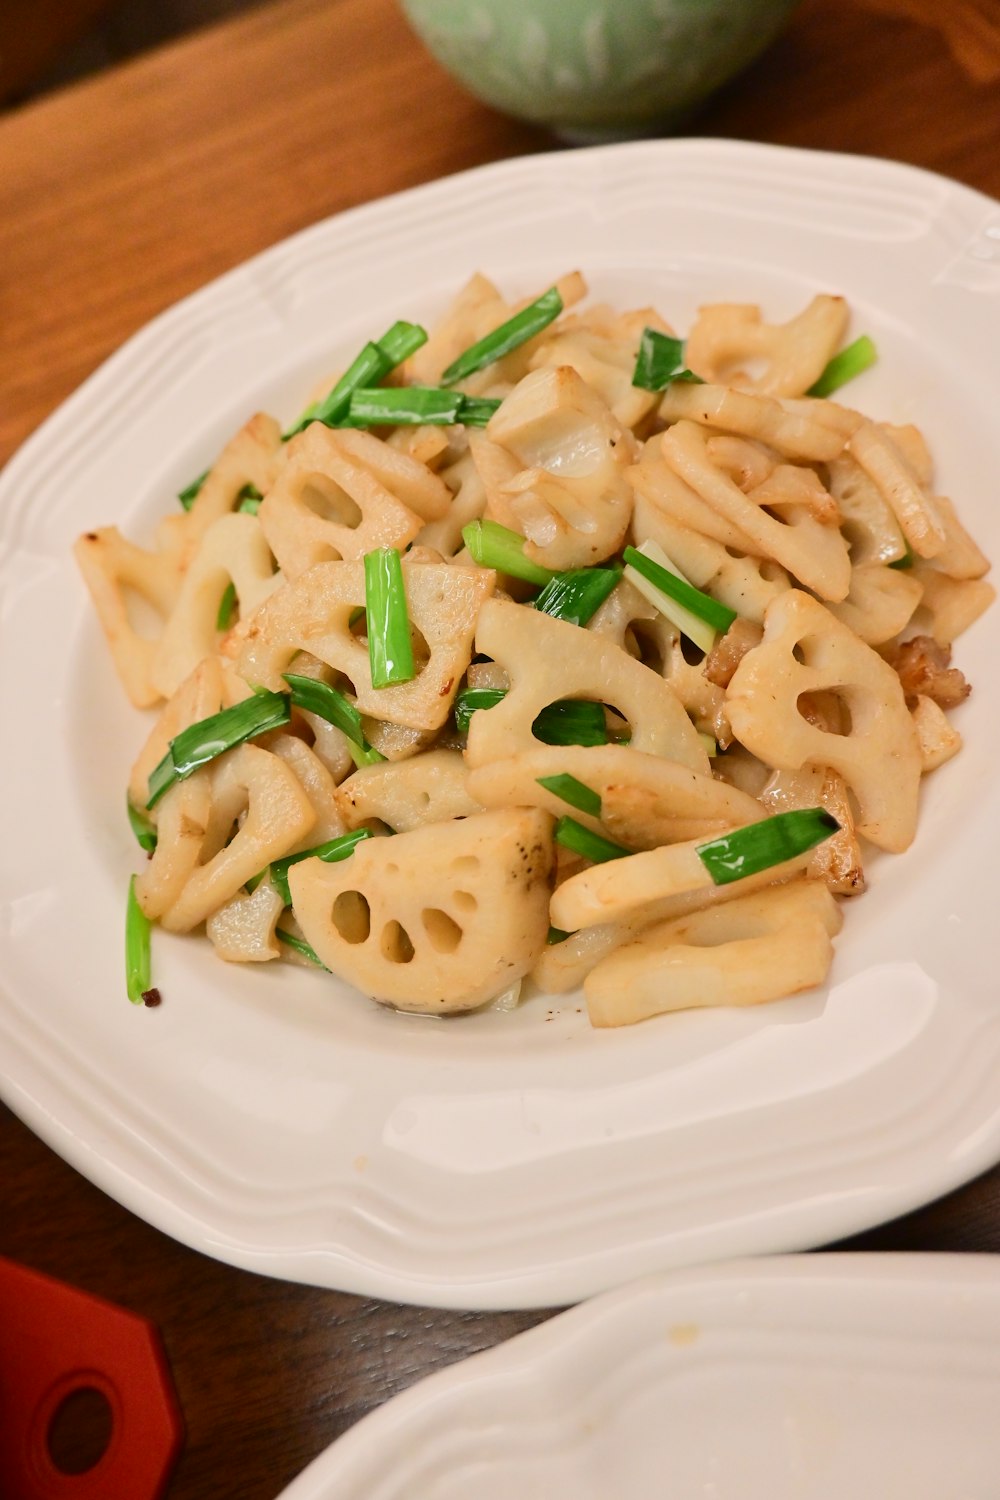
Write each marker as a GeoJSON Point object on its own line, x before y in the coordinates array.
{"type": "Point", "coordinates": [592, 68]}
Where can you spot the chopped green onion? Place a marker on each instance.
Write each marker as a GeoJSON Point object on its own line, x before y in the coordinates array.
{"type": "Point", "coordinates": [573, 835]}
{"type": "Point", "coordinates": [227, 605]}
{"type": "Point", "coordinates": [300, 946]}
{"type": "Point", "coordinates": [577, 594]}
{"type": "Point", "coordinates": [476, 411]}
{"type": "Point", "coordinates": [852, 360]}
{"type": "Point", "coordinates": [189, 494]}
{"type": "Point", "coordinates": [496, 546]}
{"type": "Point", "coordinates": [572, 791]}
{"type": "Point", "coordinates": [557, 935]}
{"type": "Point", "coordinates": [699, 607]}
{"type": "Point", "coordinates": [390, 649]}
{"type": "Point", "coordinates": [746, 851]}
{"type": "Point", "coordinates": [138, 978]}
{"type": "Point", "coordinates": [371, 365]}
{"type": "Point", "coordinates": [211, 737]}
{"type": "Point", "coordinates": [904, 562]}
{"type": "Point", "coordinates": [330, 853]}
{"type": "Point", "coordinates": [248, 500]}
{"type": "Point", "coordinates": [660, 361]}
{"type": "Point", "coordinates": [325, 701]}
{"type": "Point", "coordinates": [404, 405]}
{"type": "Point", "coordinates": [571, 721]}
{"type": "Point", "coordinates": [417, 406]}
{"type": "Point", "coordinates": [143, 829]}
{"type": "Point", "coordinates": [470, 700]}
{"type": "Point", "coordinates": [510, 335]}
{"type": "Point", "coordinates": [251, 885]}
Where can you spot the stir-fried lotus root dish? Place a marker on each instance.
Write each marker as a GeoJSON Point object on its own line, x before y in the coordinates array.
{"type": "Point", "coordinates": [547, 646]}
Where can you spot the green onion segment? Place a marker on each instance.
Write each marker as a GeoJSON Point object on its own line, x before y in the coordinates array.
{"type": "Point", "coordinates": [390, 649]}
{"type": "Point", "coordinates": [300, 945]}
{"type": "Point", "coordinates": [138, 975]}
{"type": "Point", "coordinates": [227, 605]}
{"type": "Point", "coordinates": [145, 832]}
{"type": "Point", "coordinates": [496, 546]}
{"type": "Point", "coordinates": [211, 737]}
{"type": "Point", "coordinates": [584, 798]}
{"type": "Point", "coordinates": [852, 360]}
{"type": "Point", "coordinates": [510, 335]}
{"type": "Point", "coordinates": [248, 500]}
{"type": "Point", "coordinates": [577, 594]}
{"type": "Point", "coordinates": [758, 846]}
{"type": "Point", "coordinates": [904, 562]}
{"type": "Point", "coordinates": [330, 853]}
{"type": "Point", "coordinates": [470, 700]}
{"type": "Point", "coordinates": [661, 360]}
{"type": "Point", "coordinates": [573, 835]}
{"type": "Point", "coordinates": [417, 406]}
{"type": "Point", "coordinates": [557, 935]}
{"type": "Point", "coordinates": [329, 704]}
{"type": "Point", "coordinates": [369, 367]}
{"type": "Point", "coordinates": [571, 721]}
{"type": "Point", "coordinates": [698, 615]}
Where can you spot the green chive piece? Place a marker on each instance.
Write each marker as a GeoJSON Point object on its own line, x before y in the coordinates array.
{"type": "Point", "coordinates": [475, 411]}
{"type": "Point", "coordinates": [757, 847]}
{"type": "Point", "coordinates": [390, 649]}
{"type": "Point", "coordinates": [404, 406]}
{"type": "Point", "coordinates": [660, 361]}
{"type": "Point", "coordinates": [557, 935]}
{"type": "Point", "coordinates": [496, 546]}
{"type": "Point", "coordinates": [852, 360]}
{"type": "Point", "coordinates": [138, 976]}
{"type": "Point", "coordinates": [300, 946]}
{"type": "Point", "coordinates": [470, 700]}
{"type": "Point", "coordinates": [573, 835]}
{"type": "Point", "coordinates": [329, 704]}
{"type": "Point", "coordinates": [248, 500]}
{"type": "Point", "coordinates": [211, 737]}
{"type": "Point", "coordinates": [904, 562]}
{"type": "Point", "coordinates": [189, 494]}
{"type": "Point", "coordinates": [330, 853]}
{"type": "Point", "coordinates": [402, 340]}
{"type": "Point", "coordinates": [577, 594]}
{"type": "Point", "coordinates": [571, 721]}
{"type": "Point", "coordinates": [510, 335]}
{"type": "Point", "coordinates": [251, 885]}
{"type": "Point", "coordinates": [701, 605]}
{"type": "Point", "coordinates": [584, 798]}
{"type": "Point", "coordinates": [143, 829]}
{"type": "Point", "coordinates": [370, 366]}
{"type": "Point", "coordinates": [227, 607]}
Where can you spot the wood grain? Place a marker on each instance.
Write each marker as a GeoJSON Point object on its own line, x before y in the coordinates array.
{"type": "Point", "coordinates": [123, 194]}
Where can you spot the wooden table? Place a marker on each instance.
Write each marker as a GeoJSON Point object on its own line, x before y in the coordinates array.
{"type": "Point", "coordinates": [123, 194]}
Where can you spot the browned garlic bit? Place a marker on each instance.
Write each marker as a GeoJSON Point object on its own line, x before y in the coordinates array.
{"type": "Point", "coordinates": [434, 838]}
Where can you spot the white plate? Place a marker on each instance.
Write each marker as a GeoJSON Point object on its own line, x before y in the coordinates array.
{"type": "Point", "coordinates": [280, 1122]}
{"type": "Point", "coordinates": [819, 1378]}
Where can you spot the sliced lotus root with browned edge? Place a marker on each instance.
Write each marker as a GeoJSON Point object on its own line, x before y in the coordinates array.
{"type": "Point", "coordinates": [313, 613]}
{"type": "Point", "coordinates": [257, 811]}
{"type": "Point", "coordinates": [231, 551]}
{"type": "Point", "coordinates": [807, 651]}
{"type": "Point", "coordinates": [547, 660]}
{"type": "Point", "coordinates": [728, 337]}
{"type": "Point", "coordinates": [645, 799]}
{"type": "Point", "coordinates": [327, 505]}
{"type": "Point", "coordinates": [115, 572]}
{"type": "Point", "coordinates": [759, 947]}
{"type": "Point", "coordinates": [471, 923]}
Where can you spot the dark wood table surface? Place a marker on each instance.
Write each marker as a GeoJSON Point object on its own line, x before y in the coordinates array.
{"type": "Point", "coordinates": [120, 195]}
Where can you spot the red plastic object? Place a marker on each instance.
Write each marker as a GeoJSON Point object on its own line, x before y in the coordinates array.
{"type": "Point", "coordinates": [55, 1340]}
